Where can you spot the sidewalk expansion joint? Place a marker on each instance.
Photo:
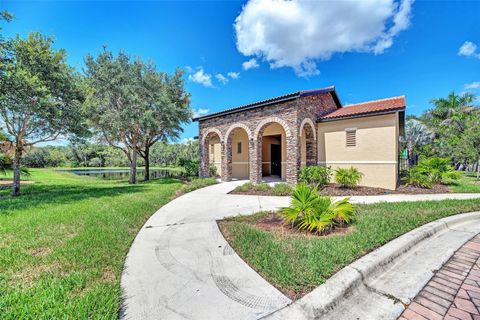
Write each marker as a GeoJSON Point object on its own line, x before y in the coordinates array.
{"type": "Point", "coordinates": [456, 230]}
{"type": "Point", "coordinates": [378, 291]}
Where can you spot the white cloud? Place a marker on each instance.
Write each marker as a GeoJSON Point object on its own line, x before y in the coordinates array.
{"type": "Point", "coordinates": [200, 112]}
{"type": "Point", "coordinates": [250, 64]}
{"type": "Point", "coordinates": [220, 77]}
{"type": "Point", "coordinates": [469, 49]}
{"type": "Point", "coordinates": [234, 75]}
{"type": "Point", "coordinates": [297, 33]}
{"type": "Point", "coordinates": [473, 85]}
{"type": "Point", "coordinates": [187, 140]}
{"type": "Point", "coordinates": [205, 79]}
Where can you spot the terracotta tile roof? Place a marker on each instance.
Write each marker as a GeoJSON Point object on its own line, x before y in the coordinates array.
{"type": "Point", "coordinates": [366, 108]}
{"type": "Point", "coordinates": [285, 97]}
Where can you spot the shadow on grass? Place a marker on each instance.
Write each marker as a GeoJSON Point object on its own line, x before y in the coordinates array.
{"type": "Point", "coordinates": [40, 194]}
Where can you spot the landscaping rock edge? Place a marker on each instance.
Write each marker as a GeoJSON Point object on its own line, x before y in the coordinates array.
{"type": "Point", "coordinates": [340, 286]}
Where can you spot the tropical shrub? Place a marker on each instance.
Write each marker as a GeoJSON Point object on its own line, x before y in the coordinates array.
{"type": "Point", "coordinates": [310, 211]}
{"type": "Point", "coordinates": [212, 170]}
{"type": "Point", "coordinates": [315, 175]}
{"type": "Point", "coordinates": [417, 178]}
{"type": "Point", "coordinates": [451, 177]}
{"type": "Point", "coordinates": [191, 167]}
{"type": "Point", "coordinates": [438, 170]}
{"type": "Point", "coordinates": [348, 178]}
{"type": "Point", "coordinates": [281, 189]}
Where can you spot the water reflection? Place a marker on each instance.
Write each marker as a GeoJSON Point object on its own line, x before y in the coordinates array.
{"type": "Point", "coordinates": [124, 174]}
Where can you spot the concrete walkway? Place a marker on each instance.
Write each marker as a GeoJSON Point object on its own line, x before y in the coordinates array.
{"type": "Point", "coordinates": [181, 267]}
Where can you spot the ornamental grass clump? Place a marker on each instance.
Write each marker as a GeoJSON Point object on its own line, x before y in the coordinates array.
{"type": "Point", "coordinates": [348, 178]}
{"type": "Point", "coordinates": [310, 211]}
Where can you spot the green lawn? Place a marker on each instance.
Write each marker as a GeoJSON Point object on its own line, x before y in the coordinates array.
{"type": "Point", "coordinates": [64, 241]}
{"type": "Point", "coordinates": [296, 264]}
{"type": "Point", "coordinates": [467, 184]}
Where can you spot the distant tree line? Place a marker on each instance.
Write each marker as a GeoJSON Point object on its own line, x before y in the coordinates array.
{"type": "Point", "coordinates": [100, 155]}
{"type": "Point", "coordinates": [117, 100]}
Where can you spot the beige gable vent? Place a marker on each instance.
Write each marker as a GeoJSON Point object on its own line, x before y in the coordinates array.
{"type": "Point", "coordinates": [351, 137]}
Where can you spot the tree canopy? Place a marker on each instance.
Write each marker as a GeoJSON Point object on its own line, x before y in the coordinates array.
{"type": "Point", "coordinates": [132, 106]}
{"type": "Point", "coordinates": [40, 95]}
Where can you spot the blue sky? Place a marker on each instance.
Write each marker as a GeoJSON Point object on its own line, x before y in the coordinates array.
{"type": "Point", "coordinates": [304, 46]}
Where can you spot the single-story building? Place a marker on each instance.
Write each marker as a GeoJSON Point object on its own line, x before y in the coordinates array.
{"type": "Point", "coordinates": [277, 136]}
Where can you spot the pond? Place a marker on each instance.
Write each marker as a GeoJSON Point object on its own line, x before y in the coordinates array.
{"type": "Point", "coordinates": [124, 174]}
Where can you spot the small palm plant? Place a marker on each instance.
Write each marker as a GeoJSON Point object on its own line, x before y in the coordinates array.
{"type": "Point", "coordinates": [348, 178]}
{"type": "Point", "coordinates": [309, 211]}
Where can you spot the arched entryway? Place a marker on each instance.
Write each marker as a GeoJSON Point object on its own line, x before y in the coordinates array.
{"type": "Point", "coordinates": [212, 150]}
{"type": "Point", "coordinates": [274, 151]}
{"type": "Point", "coordinates": [237, 152]}
{"type": "Point", "coordinates": [308, 143]}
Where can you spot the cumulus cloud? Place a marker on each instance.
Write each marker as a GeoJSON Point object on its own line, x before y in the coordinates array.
{"type": "Point", "coordinates": [201, 77]}
{"type": "Point", "coordinates": [250, 64]}
{"type": "Point", "coordinates": [200, 112]}
{"type": "Point", "coordinates": [234, 75]}
{"type": "Point", "coordinates": [469, 49]}
{"type": "Point", "coordinates": [220, 77]}
{"type": "Point", "coordinates": [473, 85]}
{"type": "Point", "coordinates": [298, 33]}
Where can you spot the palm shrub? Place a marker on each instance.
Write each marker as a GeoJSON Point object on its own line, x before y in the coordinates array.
{"type": "Point", "coordinates": [348, 178]}
{"type": "Point", "coordinates": [310, 211]}
{"type": "Point", "coordinates": [417, 178]}
{"type": "Point", "coordinates": [315, 175]}
{"type": "Point", "coordinates": [439, 170]}
{"type": "Point", "coordinates": [451, 177]}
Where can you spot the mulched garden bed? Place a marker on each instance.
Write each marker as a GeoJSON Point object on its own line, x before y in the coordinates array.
{"type": "Point", "coordinates": [275, 223]}
{"type": "Point", "coordinates": [333, 189]}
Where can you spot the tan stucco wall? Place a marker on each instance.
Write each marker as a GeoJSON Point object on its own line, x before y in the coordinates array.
{"type": "Point", "coordinates": [375, 153]}
{"type": "Point", "coordinates": [240, 164]}
{"type": "Point", "coordinates": [215, 154]}
{"type": "Point", "coordinates": [272, 130]}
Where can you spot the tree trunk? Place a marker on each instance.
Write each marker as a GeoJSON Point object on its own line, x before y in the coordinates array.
{"type": "Point", "coordinates": [133, 168]}
{"type": "Point", "coordinates": [16, 171]}
{"type": "Point", "coordinates": [478, 169]}
{"type": "Point", "coordinates": [147, 164]}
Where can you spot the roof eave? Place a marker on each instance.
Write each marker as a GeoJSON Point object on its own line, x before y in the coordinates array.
{"type": "Point", "coordinates": [222, 113]}
{"type": "Point", "coordinates": [361, 115]}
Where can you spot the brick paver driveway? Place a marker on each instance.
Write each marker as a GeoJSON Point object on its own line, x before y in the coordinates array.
{"type": "Point", "coordinates": [454, 291]}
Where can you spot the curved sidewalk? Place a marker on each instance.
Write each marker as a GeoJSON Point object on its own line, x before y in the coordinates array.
{"type": "Point", "coordinates": [181, 267]}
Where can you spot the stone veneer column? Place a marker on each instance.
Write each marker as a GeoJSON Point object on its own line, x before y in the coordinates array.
{"type": "Point", "coordinates": [293, 159]}
{"type": "Point", "coordinates": [311, 147]}
{"type": "Point", "coordinates": [255, 156]}
{"type": "Point", "coordinates": [226, 155]}
{"type": "Point", "coordinates": [203, 158]}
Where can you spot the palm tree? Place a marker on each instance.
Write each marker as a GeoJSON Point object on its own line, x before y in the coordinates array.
{"type": "Point", "coordinates": [452, 111]}
{"type": "Point", "coordinates": [416, 134]}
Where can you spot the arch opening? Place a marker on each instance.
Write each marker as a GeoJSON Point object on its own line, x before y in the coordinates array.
{"type": "Point", "coordinates": [212, 154]}
{"type": "Point", "coordinates": [272, 151]}
{"type": "Point", "coordinates": [238, 153]}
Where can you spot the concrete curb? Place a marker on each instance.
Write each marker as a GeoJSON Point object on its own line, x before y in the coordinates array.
{"type": "Point", "coordinates": [327, 296]}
